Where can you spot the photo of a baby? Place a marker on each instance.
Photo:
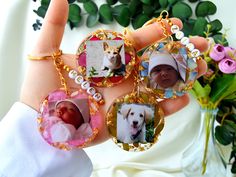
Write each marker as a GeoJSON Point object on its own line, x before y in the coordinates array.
{"type": "Point", "coordinates": [68, 119]}
{"type": "Point", "coordinates": [165, 71]}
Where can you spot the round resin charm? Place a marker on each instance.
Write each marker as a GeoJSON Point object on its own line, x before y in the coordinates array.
{"type": "Point", "coordinates": [69, 121]}
{"type": "Point", "coordinates": [135, 121]}
{"type": "Point", "coordinates": [106, 58]}
{"type": "Point", "coordinates": [168, 69]}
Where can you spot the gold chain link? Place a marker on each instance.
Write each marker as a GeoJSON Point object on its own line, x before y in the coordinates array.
{"type": "Point", "coordinates": [164, 15]}
{"type": "Point", "coordinates": [59, 65]}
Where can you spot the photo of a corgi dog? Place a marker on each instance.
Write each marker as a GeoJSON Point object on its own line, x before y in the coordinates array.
{"type": "Point", "coordinates": [112, 62]}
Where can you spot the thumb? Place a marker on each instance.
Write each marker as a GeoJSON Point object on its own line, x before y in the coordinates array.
{"type": "Point", "coordinates": [53, 28]}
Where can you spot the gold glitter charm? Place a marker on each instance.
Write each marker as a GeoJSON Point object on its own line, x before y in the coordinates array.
{"type": "Point", "coordinates": [167, 70]}
{"type": "Point", "coordinates": [135, 121]}
{"type": "Point", "coordinates": [106, 58]}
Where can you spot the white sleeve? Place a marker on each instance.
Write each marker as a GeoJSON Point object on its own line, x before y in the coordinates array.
{"type": "Point", "coordinates": [23, 151]}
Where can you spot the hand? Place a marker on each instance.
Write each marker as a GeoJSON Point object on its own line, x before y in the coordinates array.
{"type": "Point", "coordinates": [42, 77]}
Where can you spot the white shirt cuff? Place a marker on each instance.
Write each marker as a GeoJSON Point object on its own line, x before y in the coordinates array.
{"type": "Point", "coordinates": [23, 151]}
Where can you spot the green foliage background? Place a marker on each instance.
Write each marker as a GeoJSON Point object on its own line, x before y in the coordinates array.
{"type": "Point", "coordinates": [136, 12]}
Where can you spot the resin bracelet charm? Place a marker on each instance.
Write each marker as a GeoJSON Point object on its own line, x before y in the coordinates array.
{"type": "Point", "coordinates": [168, 68]}
{"type": "Point", "coordinates": [135, 121]}
{"type": "Point", "coordinates": [106, 58]}
{"type": "Point", "coordinates": [68, 118]}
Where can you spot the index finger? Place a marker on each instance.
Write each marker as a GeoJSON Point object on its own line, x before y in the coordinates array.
{"type": "Point", "coordinates": [149, 34]}
{"type": "Point", "coordinates": [53, 28]}
{"type": "Point", "coordinates": [152, 33]}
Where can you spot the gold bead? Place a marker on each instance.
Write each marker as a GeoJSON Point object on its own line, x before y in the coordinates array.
{"type": "Point", "coordinates": [101, 102]}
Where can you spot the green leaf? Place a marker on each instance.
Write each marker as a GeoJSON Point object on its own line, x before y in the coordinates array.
{"type": "Point", "coordinates": [124, 1]}
{"type": "Point", "coordinates": [223, 86]}
{"type": "Point", "coordinates": [71, 1]}
{"type": "Point", "coordinates": [148, 2]}
{"type": "Point", "coordinates": [230, 125]}
{"type": "Point", "coordinates": [231, 97]}
{"type": "Point", "coordinates": [188, 26]}
{"type": "Point", "coordinates": [148, 10]}
{"type": "Point", "coordinates": [199, 26]}
{"type": "Point", "coordinates": [41, 12]}
{"type": "Point", "coordinates": [105, 12]}
{"type": "Point", "coordinates": [122, 14]}
{"type": "Point", "coordinates": [90, 7]}
{"type": "Point", "coordinates": [171, 2]}
{"type": "Point", "coordinates": [233, 168]}
{"type": "Point", "coordinates": [200, 91]}
{"type": "Point", "coordinates": [219, 39]}
{"type": "Point", "coordinates": [45, 3]}
{"type": "Point", "coordinates": [135, 7]}
{"type": "Point", "coordinates": [73, 25]}
{"type": "Point", "coordinates": [103, 20]}
{"type": "Point", "coordinates": [74, 13]}
{"type": "Point", "coordinates": [158, 11]}
{"type": "Point", "coordinates": [192, 0]}
{"type": "Point", "coordinates": [181, 10]}
{"type": "Point", "coordinates": [139, 21]}
{"type": "Point", "coordinates": [216, 25]}
{"type": "Point", "coordinates": [223, 136]}
{"type": "Point", "coordinates": [92, 20]}
{"type": "Point", "coordinates": [83, 1]}
{"type": "Point", "coordinates": [111, 2]}
{"type": "Point", "coordinates": [163, 3]}
{"type": "Point", "coordinates": [205, 8]}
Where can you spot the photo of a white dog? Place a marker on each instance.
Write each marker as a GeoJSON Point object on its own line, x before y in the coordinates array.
{"type": "Point", "coordinates": [105, 58]}
{"type": "Point", "coordinates": [131, 122]}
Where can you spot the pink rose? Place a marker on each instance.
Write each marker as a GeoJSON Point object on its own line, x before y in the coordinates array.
{"type": "Point", "coordinates": [217, 53]}
{"type": "Point", "coordinates": [230, 52]}
{"type": "Point", "coordinates": [227, 66]}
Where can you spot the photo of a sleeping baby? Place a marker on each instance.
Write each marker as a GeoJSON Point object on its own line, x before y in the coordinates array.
{"type": "Point", "coordinates": [68, 119]}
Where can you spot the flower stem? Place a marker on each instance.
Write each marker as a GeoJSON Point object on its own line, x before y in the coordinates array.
{"type": "Point", "coordinates": [208, 108]}
{"type": "Point", "coordinates": [208, 129]}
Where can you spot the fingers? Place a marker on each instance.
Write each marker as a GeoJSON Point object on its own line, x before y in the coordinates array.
{"type": "Point", "coordinates": [202, 67]}
{"type": "Point", "coordinates": [170, 106]}
{"type": "Point", "coordinates": [53, 28]}
{"type": "Point", "coordinates": [149, 34]}
{"type": "Point", "coordinates": [200, 43]}
{"type": "Point", "coordinates": [152, 33]}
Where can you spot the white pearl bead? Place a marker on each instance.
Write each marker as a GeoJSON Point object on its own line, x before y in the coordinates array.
{"type": "Point", "coordinates": [194, 59]}
{"type": "Point", "coordinates": [85, 85]}
{"type": "Point", "coordinates": [79, 80]}
{"type": "Point", "coordinates": [73, 74]}
{"type": "Point", "coordinates": [179, 35]}
{"type": "Point", "coordinates": [97, 96]}
{"type": "Point", "coordinates": [91, 91]}
{"type": "Point", "coordinates": [184, 40]}
{"type": "Point", "coordinates": [190, 46]}
{"type": "Point", "coordinates": [174, 29]}
{"type": "Point", "coordinates": [195, 53]}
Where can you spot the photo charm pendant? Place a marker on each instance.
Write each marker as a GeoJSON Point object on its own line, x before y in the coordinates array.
{"type": "Point", "coordinates": [168, 69]}
{"type": "Point", "coordinates": [106, 58]}
{"type": "Point", "coordinates": [69, 121]}
{"type": "Point", "coordinates": [135, 121]}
